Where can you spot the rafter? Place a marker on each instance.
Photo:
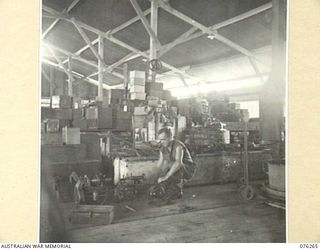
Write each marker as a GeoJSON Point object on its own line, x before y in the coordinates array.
{"type": "Point", "coordinates": [47, 15]}
{"type": "Point", "coordinates": [208, 31]}
{"type": "Point", "coordinates": [67, 53]}
{"type": "Point", "coordinates": [128, 23]}
{"type": "Point", "coordinates": [192, 33]}
{"type": "Point", "coordinates": [145, 22]}
{"type": "Point", "coordinates": [183, 81]}
{"type": "Point", "coordinates": [66, 10]}
{"type": "Point", "coordinates": [116, 64]}
{"type": "Point", "coordinates": [60, 63]}
{"type": "Point", "coordinates": [87, 40]}
{"type": "Point", "coordinates": [112, 31]}
{"type": "Point", "coordinates": [227, 80]}
{"type": "Point", "coordinates": [172, 44]}
{"type": "Point", "coordinates": [178, 40]}
{"type": "Point", "coordinates": [78, 75]}
{"type": "Point", "coordinates": [188, 35]}
{"type": "Point", "coordinates": [100, 67]}
{"type": "Point", "coordinates": [256, 69]}
{"type": "Point", "coordinates": [116, 41]}
{"type": "Point", "coordinates": [145, 55]}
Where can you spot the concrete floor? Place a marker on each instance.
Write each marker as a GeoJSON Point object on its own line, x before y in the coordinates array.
{"type": "Point", "coordinates": [206, 214]}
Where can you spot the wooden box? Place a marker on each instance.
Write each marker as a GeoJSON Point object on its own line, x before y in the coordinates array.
{"type": "Point", "coordinates": [62, 114]}
{"type": "Point", "coordinates": [150, 86]}
{"type": "Point", "coordinates": [71, 135]}
{"type": "Point", "coordinates": [92, 214]}
{"type": "Point", "coordinates": [137, 96]}
{"type": "Point", "coordinates": [105, 117]}
{"type": "Point", "coordinates": [156, 93]}
{"type": "Point", "coordinates": [61, 101]}
{"type": "Point", "coordinates": [91, 113]}
{"type": "Point", "coordinates": [51, 138]}
{"type": "Point", "coordinates": [52, 125]}
{"type": "Point", "coordinates": [137, 88]}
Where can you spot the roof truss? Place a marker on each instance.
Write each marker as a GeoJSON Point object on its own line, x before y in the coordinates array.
{"type": "Point", "coordinates": [187, 36]}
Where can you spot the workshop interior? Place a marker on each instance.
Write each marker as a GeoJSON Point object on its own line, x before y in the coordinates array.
{"type": "Point", "coordinates": [117, 75]}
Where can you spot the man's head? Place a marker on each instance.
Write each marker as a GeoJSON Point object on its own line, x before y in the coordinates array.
{"type": "Point", "coordinates": [165, 136]}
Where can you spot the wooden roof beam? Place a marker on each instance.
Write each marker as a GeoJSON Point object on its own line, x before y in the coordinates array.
{"type": "Point", "coordinates": [66, 10]}
{"type": "Point", "coordinates": [117, 29]}
{"type": "Point", "coordinates": [116, 41]}
{"type": "Point", "coordinates": [67, 53]}
{"type": "Point", "coordinates": [192, 34]}
{"type": "Point", "coordinates": [208, 31]}
{"type": "Point", "coordinates": [80, 76]}
{"type": "Point", "coordinates": [145, 22]}
{"type": "Point", "coordinates": [60, 63]}
{"type": "Point", "coordinates": [87, 40]}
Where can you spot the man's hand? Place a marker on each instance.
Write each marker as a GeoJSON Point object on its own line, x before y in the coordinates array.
{"type": "Point", "coordinates": [162, 179]}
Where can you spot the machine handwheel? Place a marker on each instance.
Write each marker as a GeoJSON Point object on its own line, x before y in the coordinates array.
{"type": "Point", "coordinates": [246, 192]}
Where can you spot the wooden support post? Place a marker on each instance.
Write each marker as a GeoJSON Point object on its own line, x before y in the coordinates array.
{"type": "Point", "coordinates": [100, 68]}
{"type": "Point", "coordinates": [52, 85]}
{"type": "Point", "coordinates": [154, 27]}
{"type": "Point", "coordinates": [125, 81]}
{"type": "Point", "coordinates": [272, 96]}
{"type": "Point", "coordinates": [70, 77]}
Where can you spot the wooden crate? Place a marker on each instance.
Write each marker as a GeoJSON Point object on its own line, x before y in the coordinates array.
{"type": "Point", "coordinates": [71, 135]}
{"type": "Point", "coordinates": [92, 214]}
{"type": "Point", "coordinates": [62, 101]}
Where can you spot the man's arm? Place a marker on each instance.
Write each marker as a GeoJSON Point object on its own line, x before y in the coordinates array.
{"type": "Point", "coordinates": [160, 161]}
{"type": "Point", "coordinates": [175, 166]}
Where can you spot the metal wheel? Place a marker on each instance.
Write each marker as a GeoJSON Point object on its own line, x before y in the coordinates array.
{"type": "Point", "coordinates": [246, 192]}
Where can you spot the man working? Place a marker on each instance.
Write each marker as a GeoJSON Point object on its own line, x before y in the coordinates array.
{"type": "Point", "coordinates": [176, 164]}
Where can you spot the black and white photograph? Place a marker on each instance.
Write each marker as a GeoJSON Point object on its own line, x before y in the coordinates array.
{"type": "Point", "coordinates": [163, 121]}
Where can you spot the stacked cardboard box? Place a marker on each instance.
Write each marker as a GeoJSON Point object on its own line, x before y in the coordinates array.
{"type": "Point", "coordinates": [76, 102]}
{"type": "Point", "coordinates": [98, 117]}
{"type": "Point", "coordinates": [105, 117]}
{"type": "Point", "coordinates": [112, 96]}
{"type": "Point", "coordinates": [138, 96]}
{"type": "Point", "coordinates": [51, 138]}
{"type": "Point", "coordinates": [61, 102]}
{"type": "Point", "coordinates": [61, 110]}
{"type": "Point", "coordinates": [137, 85]}
{"type": "Point", "coordinates": [92, 141]}
{"type": "Point", "coordinates": [57, 113]}
{"type": "Point", "coordinates": [52, 125]}
{"type": "Point", "coordinates": [139, 121]}
{"type": "Point", "coordinates": [71, 135]}
{"type": "Point", "coordinates": [121, 119]}
{"type": "Point", "coordinates": [154, 89]}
